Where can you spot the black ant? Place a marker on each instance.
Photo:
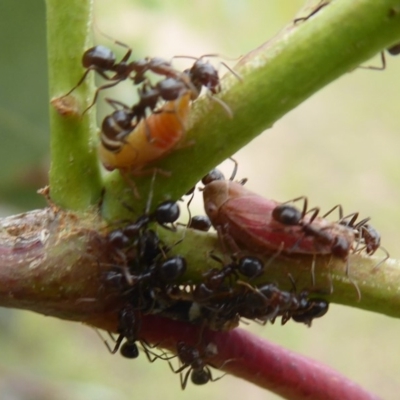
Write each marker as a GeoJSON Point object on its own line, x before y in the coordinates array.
{"type": "Point", "coordinates": [366, 234]}
{"type": "Point", "coordinates": [145, 242]}
{"type": "Point", "coordinates": [203, 73]}
{"type": "Point", "coordinates": [340, 240]}
{"type": "Point", "coordinates": [265, 303]}
{"type": "Point", "coordinates": [248, 266]}
{"type": "Point", "coordinates": [190, 357]}
{"type": "Point", "coordinates": [102, 60]}
{"type": "Point", "coordinates": [162, 272]}
{"type": "Point", "coordinates": [129, 327]}
{"type": "Point", "coordinates": [308, 310]}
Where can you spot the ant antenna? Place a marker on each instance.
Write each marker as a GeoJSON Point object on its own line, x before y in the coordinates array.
{"type": "Point", "coordinates": [188, 208]}
{"type": "Point", "coordinates": [109, 37]}
{"type": "Point", "coordinates": [235, 168]}
{"type": "Point", "coordinates": [221, 62]}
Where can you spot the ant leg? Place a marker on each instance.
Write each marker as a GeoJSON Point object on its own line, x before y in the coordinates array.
{"type": "Point", "coordinates": [321, 5]}
{"type": "Point", "coordinates": [313, 280]}
{"type": "Point", "coordinates": [127, 54]}
{"type": "Point", "coordinates": [361, 223]}
{"type": "Point", "coordinates": [189, 212]}
{"type": "Point", "coordinates": [149, 353]}
{"type": "Point", "coordinates": [126, 176]}
{"type": "Point", "coordinates": [340, 208]}
{"type": "Point", "coordinates": [387, 256]}
{"type": "Point", "coordinates": [185, 380]}
{"type": "Point", "coordinates": [381, 68]}
{"type": "Point", "coordinates": [114, 103]}
{"type": "Point", "coordinates": [352, 281]}
{"type": "Point", "coordinates": [117, 343]}
{"type": "Point", "coordinates": [275, 255]}
{"type": "Point", "coordinates": [179, 370]}
{"type": "Point", "coordinates": [350, 223]}
{"type": "Point", "coordinates": [315, 211]}
{"type": "Point", "coordinates": [96, 95]}
{"type": "Point", "coordinates": [222, 366]}
{"type": "Point", "coordinates": [92, 68]}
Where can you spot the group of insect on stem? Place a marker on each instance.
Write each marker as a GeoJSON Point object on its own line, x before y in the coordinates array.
{"type": "Point", "coordinates": [253, 231]}
{"type": "Point", "coordinates": [152, 281]}
{"type": "Point", "coordinates": [134, 136]}
{"type": "Point", "coordinates": [149, 274]}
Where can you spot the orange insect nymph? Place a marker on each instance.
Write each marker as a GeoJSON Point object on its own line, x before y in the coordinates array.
{"type": "Point", "coordinates": [133, 150]}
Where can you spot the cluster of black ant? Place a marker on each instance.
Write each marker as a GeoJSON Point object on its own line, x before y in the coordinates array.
{"type": "Point", "coordinates": [141, 268]}
{"type": "Point", "coordinates": [175, 84]}
{"type": "Point", "coordinates": [151, 281]}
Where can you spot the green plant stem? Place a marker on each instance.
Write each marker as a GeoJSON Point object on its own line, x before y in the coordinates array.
{"type": "Point", "coordinates": [74, 175]}
{"type": "Point", "coordinates": [276, 78]}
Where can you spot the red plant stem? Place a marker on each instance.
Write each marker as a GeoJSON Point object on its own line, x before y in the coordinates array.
{"type": "Point", "coordinates": [290, 375]}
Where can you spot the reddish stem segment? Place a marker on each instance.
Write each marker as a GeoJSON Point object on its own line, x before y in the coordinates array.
{"type": "Point", "coordinates": [265, 364]}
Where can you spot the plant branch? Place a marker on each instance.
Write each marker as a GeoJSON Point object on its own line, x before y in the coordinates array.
{"type": "Point", "coordinates": [74, 173]}
{"type": "Point", "coordinates": [51, 261]}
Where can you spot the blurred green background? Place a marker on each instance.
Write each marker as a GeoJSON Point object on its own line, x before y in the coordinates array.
{"type": "Point", "coordinates": [340, 146]}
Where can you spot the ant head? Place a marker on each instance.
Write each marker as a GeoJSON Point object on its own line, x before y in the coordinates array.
{"type": "Point", "coordinates": [167, 212]}
{"type": "Point", "coordinates": [98, 56]}
{"type": "Point", "coordinates": [213, 175]}
{"type": "Point", "coordinates": [129, 350]}
{"type": "Point", "coordinates": [287, 214]}
{"type": "Point", "coordinates": [172, 268]}
{"type": "Point", "coordinates": [316, 308]}
{"type": "Point", "coordinates": [200, 223]}
{"type": "Point", "coordinates": [250, 266]}
{"type": "Point", "coordinates": [200, 376]}
{"type": "Point", "coordinates": [205, 74]}
{"type": "Point", "coordinates": [118, 239]}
